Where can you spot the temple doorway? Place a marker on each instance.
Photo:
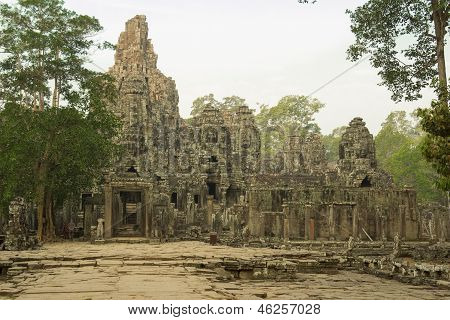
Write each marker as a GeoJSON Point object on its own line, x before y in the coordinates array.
{"type": "Point", "coordinates": [128, 214]}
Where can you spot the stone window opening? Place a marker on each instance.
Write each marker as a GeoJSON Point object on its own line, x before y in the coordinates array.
{"type": "Point", "coordinates": [213, 159]}
{"type": "Point", "coordinates": [366, 183]}
{"type": "Point", "coordinates": [132, 169]}
{"type": "Point", "coordinates": [196, 199]}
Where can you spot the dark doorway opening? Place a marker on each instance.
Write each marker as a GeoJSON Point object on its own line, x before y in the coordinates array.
{"type": "Point", "coordinates": [130, 200]}
{"type": "Point", "coordinates": [174, 199]}
{"type": "Point", "coordinates": [366, 183]}
{"type": "Point", "coordinates": [212, 189]}
{"type": "Point", "coordinates": [196, 199]}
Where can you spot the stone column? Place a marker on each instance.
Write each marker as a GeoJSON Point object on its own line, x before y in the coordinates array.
{"type": "Point", "coordinates": [307, 213]}
{"type": "Point", "coordinates": [108, 212]}
{"type": "Point", "coordinates": [210, 211]}
{"type": "Point", "coordinates": [147, 209]}
{"type": "Point", "coordinates": [285, 222]}
{"type": "Point", "coordinates": [355, 227]}
{"type": "Point", "coordinates": [377, 224]}
{"type": "Point", "coordinates": [443, 222]}
{"type": "Point", "coordinates": [309, 223]}
{"type": "Point", "coordinates": [402, 224]}
{"type": "Point", "coordinates": [383, 226]}
{"type": "Point", "coordinates": [331, 222]}
{"type": "Point", "coordinates": [87, 220]}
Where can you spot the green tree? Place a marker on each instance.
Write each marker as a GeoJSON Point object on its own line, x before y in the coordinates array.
{"type": "Point", "coordinates": [382, 27]}
{"type": "Point", "coordinates": [232, 103]}
{"type": "Point", "coordinates": [396, 131]}
{"type": "Point", "coordinates": [65, 145]}
{"type": "Point", "coordinates": [47, 47]}
{"type": "Point", "coordinates": [202, 102]}
{"type": "Point", "coordinates": [331, 143]}
{"type": "Point", "coordinates": [398, 151]}
{"type": "Point", "coordinates": [293, 115]}
{"type": "Point", "coordinates": [227, 103]}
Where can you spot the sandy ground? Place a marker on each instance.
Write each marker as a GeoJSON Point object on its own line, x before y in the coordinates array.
{"type": "Point", "coordinates": [177, 271]}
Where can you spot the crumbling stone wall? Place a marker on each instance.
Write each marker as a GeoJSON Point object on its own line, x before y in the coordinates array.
{"type": "Point", "coordinates": [18, 236]}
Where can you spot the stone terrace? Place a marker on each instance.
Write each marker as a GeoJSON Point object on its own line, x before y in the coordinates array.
{"type": "Point", "coordinates": [192, 270]}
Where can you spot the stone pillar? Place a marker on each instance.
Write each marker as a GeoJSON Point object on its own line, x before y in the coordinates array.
{"type": "Point", "coordinates": [402, 221]}
{"type": "Point", "coordinates": [443, 226]}
{"type": "Point", "coordinates": [148, 216]}
{"type": "Point", "coordinates": [285, 222]}
{"type": "Point", "coordinates": [307, 213]}
{"type": "Point", "coordinates": [383, 227]}
{"type": "Point", "coordinates": [331, 222]}
{"type": "Point", "coordinates": [312, 228]}
{"type": "Point", "coordinates": [210, 211]}
{"type": "Point", "coordinates": [309, 223]}
{"type": "Point", "coordinates": [355, 227]}
{"type": "Point", "coordinates": [87, 220]}
{"type": "Point", "coordinates": [108, 212]}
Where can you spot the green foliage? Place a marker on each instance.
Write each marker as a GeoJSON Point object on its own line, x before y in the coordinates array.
{"type": "Point", "coordinates": [227, 103]}
{"type": "Point", "coordinates": [396, 131]}
{"type": "Point", "coordinates": [202, 102]}
{"type": "Point", "coordinates": [398, 150]}
{"type": "Point", "coordinates": [331, 143]}
{"type": "Point", "coordinates": [232, 103]}
{"type": "Point", "coordinates": [293, 115]}
{"type": "Point", "coordinates": [75, 146]}
{"type": "Point", "coordinates": [436, 145]}
{"type": "Point", "coordinates": [46, 49]}
{"type": "Point", "coordinates": [380, 27]}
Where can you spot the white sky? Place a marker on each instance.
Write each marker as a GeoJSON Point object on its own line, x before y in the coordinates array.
{"type": "Point", "coordinates": [260, 50]}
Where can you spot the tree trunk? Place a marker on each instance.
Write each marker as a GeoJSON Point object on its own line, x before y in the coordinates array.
{"type": "Point", "coordinates": [49, 220]}
{"type": "Point", "coordinates": [55, 102]}
{"type": "Point", "coordinates": [40, 214]}
{"type": "Point", "coordinates": [55, 95]}
{"type": "Point", "coordinates": [440, 16]}
{"type": "Point", "coordinates": [41, 199]}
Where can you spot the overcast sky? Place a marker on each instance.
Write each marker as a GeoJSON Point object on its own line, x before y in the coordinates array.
{"type": "Point", "coordinates": [260, 50]}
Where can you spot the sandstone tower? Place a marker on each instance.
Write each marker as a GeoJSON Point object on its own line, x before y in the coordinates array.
{"type": "Point", "coordinates": [148, 103]}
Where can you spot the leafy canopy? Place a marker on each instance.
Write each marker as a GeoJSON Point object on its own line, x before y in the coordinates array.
{"type": "Point", "coordinates": [46, 48]}
{"type": "Point", "coordinates": [331, 143]}
{"type": "Point", "coordinates": [398, 36]}
{"type": "Point", "coordinates": [293, 115]}
{"type": "Point", "coordinates": [398, 151]}
{"type": "Point", "coordinates": [75, 146]}
{"type": "Point", "coordinates": [228, 103]}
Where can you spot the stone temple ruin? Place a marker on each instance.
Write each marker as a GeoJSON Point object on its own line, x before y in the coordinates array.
{"type": "Point", "coordinates": [180, 178]}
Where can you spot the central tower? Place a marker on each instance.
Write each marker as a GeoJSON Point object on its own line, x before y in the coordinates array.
{"type": "Point", "coordinates": [147, 105]}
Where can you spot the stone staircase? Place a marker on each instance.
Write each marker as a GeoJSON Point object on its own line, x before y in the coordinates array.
{"type": "Point", "coordinates": [128, 230]}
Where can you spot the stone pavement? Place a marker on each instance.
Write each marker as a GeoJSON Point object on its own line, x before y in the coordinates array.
{"type": "Point", "coordinates": [190, 270]}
